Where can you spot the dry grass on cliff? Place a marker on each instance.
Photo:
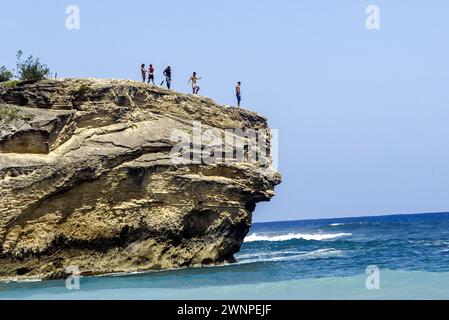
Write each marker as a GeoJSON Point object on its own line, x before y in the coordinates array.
{"type": "Point", "coordinates": [9, 114]}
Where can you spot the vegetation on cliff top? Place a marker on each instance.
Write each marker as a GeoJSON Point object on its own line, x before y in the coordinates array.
{"type": "Point", "coordinates": [5, 74]}
{"type": "Point", "coordinates": [30, 69]}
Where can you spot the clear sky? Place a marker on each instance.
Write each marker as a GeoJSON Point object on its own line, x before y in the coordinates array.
{"type": "Point", "coordinates": [363, 115]}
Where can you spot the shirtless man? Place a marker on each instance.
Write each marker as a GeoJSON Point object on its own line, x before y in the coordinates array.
{"type": "Point", "coordinates": [238, 93]}
{"type": "Point", "coordinates": [195, 87]}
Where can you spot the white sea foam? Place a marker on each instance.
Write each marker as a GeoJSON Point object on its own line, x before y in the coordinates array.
{"type": "Point", "coordinates": [266, 254]}
{"type": "Point", "coordinates": [336, 224]}
{"type": "Point", "coordinates": [320, 253]}
{"type": "Point", "coordinates": [10, 280]}
{"type": "Point", "coordinates": [289, 236]}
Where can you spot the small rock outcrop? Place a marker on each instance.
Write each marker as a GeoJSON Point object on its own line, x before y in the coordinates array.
{"type": "Point", "coordinates": [88, 179]}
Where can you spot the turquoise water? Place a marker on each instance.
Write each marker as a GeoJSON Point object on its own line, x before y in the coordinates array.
{"type": "Point", "coordinates": [315, 259]}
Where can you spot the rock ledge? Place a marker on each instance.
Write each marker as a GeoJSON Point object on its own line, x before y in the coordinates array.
{"type": "Point", "coordinates": [87, 180]}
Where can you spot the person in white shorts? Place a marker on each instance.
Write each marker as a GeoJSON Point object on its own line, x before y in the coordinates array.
{"type": "Point", "coordinates": [194, 79]}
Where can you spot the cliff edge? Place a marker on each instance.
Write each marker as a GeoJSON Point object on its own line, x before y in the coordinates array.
{"type": "Point", "coordinates": [89, 178]}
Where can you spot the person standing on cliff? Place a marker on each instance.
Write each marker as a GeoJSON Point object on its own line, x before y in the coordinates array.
{"type": "Point", "coordinates": [195, 86]}
{"type": "Point", "coordinates": [238, 93]}
{"type": "Point", "coordinates": [143, 71]}
{"type": "Point", "coordinates": [167, 74]}
{"type": "Point", "coordinates": [151, 74]}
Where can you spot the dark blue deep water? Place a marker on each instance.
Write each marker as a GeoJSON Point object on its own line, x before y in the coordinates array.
{"type": "Point", "coordinates": [294, 260]}
{"type": "Point", "coordinates": [322, 248]}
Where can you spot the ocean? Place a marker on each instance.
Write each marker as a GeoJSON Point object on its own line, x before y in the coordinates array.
{"type": "Point", "coordinates": [387, 257]}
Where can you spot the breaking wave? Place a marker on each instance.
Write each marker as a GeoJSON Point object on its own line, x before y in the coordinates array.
{"type": "Point", "coordinates": [290, 236]}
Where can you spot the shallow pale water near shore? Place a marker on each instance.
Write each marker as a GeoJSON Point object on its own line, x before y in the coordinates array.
{"type": "Point", "coordinates": [394, 285]}
{"type": "Point", "coordinates": [315, 259]}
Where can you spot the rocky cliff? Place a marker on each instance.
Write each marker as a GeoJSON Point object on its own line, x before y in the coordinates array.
{"type": "Point", "coordinates": [87, 179]}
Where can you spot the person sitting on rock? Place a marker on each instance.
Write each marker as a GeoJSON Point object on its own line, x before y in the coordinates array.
{"type": "Point", "coordinates": [167, 74]}
{"type": "Point", "coordinates": [195, 86]}
{"type": "Point", "coordinates": [143, 71]}
{"type": "Point", "coordinates": [151, 74]}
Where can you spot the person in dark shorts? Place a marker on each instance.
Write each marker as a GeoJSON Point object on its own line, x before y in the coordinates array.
{"type": "Point", "coordinates": [151, 74]}
{"type": "Point", "coordinates": [143, 71]}
{"type": "Point", "coordinates": [238, 93]}
{"type": "Point", "coordinates": [167, 74]}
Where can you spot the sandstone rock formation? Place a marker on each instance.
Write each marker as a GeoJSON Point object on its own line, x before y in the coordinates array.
{"type": "Point", "coordinates": [86, 179]}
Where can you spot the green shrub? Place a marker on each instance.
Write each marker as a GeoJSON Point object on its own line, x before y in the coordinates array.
{"type": "Point", "coordinates": [31, 68]}
{"type": "Point", "coordinates": [5, 74]}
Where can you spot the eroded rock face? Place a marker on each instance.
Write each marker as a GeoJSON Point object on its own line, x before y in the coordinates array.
{"type": "Point", "coordinates": [87, 179]}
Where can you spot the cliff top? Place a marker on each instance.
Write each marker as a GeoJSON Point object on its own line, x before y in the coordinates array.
{"type": "Point", "coordinates": [121, 97]}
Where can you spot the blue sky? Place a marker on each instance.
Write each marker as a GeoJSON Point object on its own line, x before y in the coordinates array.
{"type": "Point", "coordinates": [362, 115]}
